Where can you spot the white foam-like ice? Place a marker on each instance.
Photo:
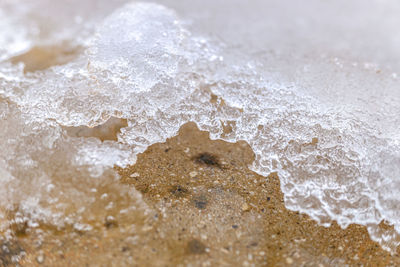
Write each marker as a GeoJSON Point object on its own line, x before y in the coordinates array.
{"type": "Point", "coordinates": [330, 128]}
{"type": "Point", "coordinates": [146, 52]}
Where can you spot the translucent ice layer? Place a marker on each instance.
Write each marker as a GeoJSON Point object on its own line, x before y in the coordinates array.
{"type": "Point", "coordinates": [327, 122]}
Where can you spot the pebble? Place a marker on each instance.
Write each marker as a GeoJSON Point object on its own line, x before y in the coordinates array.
{"type": "Point", "coordinates": [289, 260]}
{"type": "Point", "coordinates": [40, 259]}
{"type": "Point", "coordinates": [134, 175]}
{"type": "Point", "coordinates": [110, 222]}
{"type": "Point", "coordinates": [225, 250]}
{"type": "Point", "coordinates": [193, 174]}
{"type": "Point", "coordinates": [245, 207]}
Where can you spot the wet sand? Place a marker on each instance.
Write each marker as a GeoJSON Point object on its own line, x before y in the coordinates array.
{"type": "Point", "coordinates": [204, 207]}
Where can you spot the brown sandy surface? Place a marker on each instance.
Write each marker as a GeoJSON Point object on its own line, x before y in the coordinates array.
{"type": "Point", "coordinates": [204, 208]}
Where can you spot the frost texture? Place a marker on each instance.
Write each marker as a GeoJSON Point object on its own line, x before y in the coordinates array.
{"type": "Point", "coordinates": [330, 129]}
{"type": "Point", "coordinates": [146, 52]}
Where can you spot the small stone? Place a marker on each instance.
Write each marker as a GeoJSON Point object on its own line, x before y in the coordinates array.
{"type": "Point", "coordinates": [289, 260]}
{"type": "Point", "coordinates": [196, 247]}
{"type": "Point", "coordinates": [134, 175]}
{"type": "Point", "coordinates": [110, 222]}
{"type": "Point", "coordinates": [193, 174]}
{"type": "Point", "coordinates": [200, 201]}
{"type": "Point", "coordinates": [245, 207]}
{"type": "Point", "coordinates": [40, 258]}
{"type": "Point", "coordinates": [207, 159]}
{"type": "Point", "coordinates": [147, 228]}
{"type": "Point", "coordinates": [314, 141]}
{"type": "Point", "coordinates": [179, 191]}
{"type": "Point", "coordinates": [225, 250]}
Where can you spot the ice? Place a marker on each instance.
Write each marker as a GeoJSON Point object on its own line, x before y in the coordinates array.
{"type": "Point", "coordinates": [327, 122]}
{"type": "Point", "coordinates": [149, 40]}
